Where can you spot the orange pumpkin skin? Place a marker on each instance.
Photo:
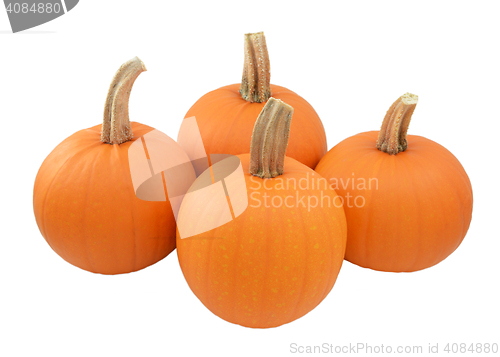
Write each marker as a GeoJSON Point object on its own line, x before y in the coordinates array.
{"type": "Point", "coordinates": [420, 212]}
{"type": "Point", "coordinates": [269, 266]}
{"type": "Point", "coordinates": [86, 208]}
{"type": "Point", "coordinates": [226, 122]}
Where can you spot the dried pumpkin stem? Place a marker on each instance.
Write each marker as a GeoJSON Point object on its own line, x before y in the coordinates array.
{"type": "Point", "coordinates": [270, 139]}
{"type": "Point", "coordinates": [256, 81]}
{"type": "Point", "coordinates": [392, 135]}
{"type": "Point", "coordinates": [116, 124]}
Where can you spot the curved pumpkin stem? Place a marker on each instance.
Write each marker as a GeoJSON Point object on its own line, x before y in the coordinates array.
{"type": "Point", "coordinates": [270, 139]}
{"type": "Point", "coordinates": [256, 81]}
{"type": "Point", "coordinates": [116, 124]}
{"type": "Point", "coordinates": [392, 135]}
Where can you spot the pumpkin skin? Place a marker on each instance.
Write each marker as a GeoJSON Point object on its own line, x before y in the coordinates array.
{"type": "Point", "coordinates": [268, 266]}
{"type": "Point", "coordinates": [226, 122]}
{"type": "Point", "coordinates": [420, 212]}
{"type": "Point", "coordinates": [86, 208]}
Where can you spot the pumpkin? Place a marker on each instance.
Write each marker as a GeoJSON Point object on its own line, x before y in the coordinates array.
{"type": "Point", "coordinates": [84, 200]}
{"type": "Point", "coordinates": [226, 116]}
{"type": "Point", "coordinates": [278, 259]}
{"type": "Point", "coordinates": [407, 199]}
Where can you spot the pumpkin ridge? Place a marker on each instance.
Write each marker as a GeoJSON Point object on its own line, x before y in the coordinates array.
{"type": "Point", "coordinates": [463, 230]}
{"type": "Point", "coordinates": [443, 251]}
{"type": "Point", "coordinates": [208, 276]}
{"type": "Point", "coordinates": [235, 274]}
{"type": "Point", "coordinates": [433, 185]}
{"type": "Point", "coordinates": [265, 277]}
{"type": "Point", "coordinates": [446, 155]}
{"type": "Point", "coordinates": [454, 165]}
{"type": "Point", "coordinates": [210, 141]}
{"type": "Point", "coordinates": [83, 217]}
{"type": "Point", "coordinates": [205, 276]}
{"type": "Point", "coordinates": [332, 249]}
{"type": "Point", "coordinates": [49, 187]}
{"type": "Point", "coordinates": [281, 234]}
{"type": "Point", "coordinates": [371, 197]}
{"type": "Point", "coordinates": [368, 252]}
{"type": "Point", "coordinates": [202, 292]}
{"type": "Point", "coordinates": [305, 270]}
{"type": "Point", "coordinates": [239, 119]}
{"type": "Point", "coordinates": [44, 233]}
{"type": "Point", "coordinates": [129, 188]}
{"type": "Point", "coordinates": [416, 198]}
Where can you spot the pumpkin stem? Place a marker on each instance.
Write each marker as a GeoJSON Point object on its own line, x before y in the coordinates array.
{"type": "Point", "coordinates": [270, 139]}
{"type": "Point", "coordinates": [392, 135]}
{"type": "Point", "coordinates": [116, 124]}
{"type": "Point", "coordinates": [256, 81]}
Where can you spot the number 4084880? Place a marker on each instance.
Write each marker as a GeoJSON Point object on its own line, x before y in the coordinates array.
{"type": "Point", "coordinates": [39, 8]}
{"type": "Point", "coordinates": [471, 348]}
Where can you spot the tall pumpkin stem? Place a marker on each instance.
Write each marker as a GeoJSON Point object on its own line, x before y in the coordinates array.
{"type": "Point", "coordinates": [256, 81]}
{"type": "Point", "coordinates": [392, 135]}
{"type": "Point", "coordinates": [270, 139]}
{"type": "Point", "coordinates": [116, 124]}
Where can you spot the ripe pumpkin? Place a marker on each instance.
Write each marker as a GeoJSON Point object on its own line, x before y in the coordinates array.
{"type": "Point", "coordinates": [226, 116]}
{"type": "Point", "coordinates": [84, 200]}
{"type": "Point", "coordinates": [276, 261]}
{"type": "Point", "coordinates": [410, 198]}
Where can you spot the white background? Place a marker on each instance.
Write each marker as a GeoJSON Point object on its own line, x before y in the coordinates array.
{"type": "Point", "coordinates": [350, 60]}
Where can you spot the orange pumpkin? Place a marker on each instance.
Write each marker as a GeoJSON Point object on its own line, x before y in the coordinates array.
{"type": "Point", "coordinates": [226, 116]}
{"type": "Point", "coordinates": [407, 199]}
{"type": "Point", "coordinates": [84, 200]}
{"type": "Point", "coordinates": [278, 259]}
